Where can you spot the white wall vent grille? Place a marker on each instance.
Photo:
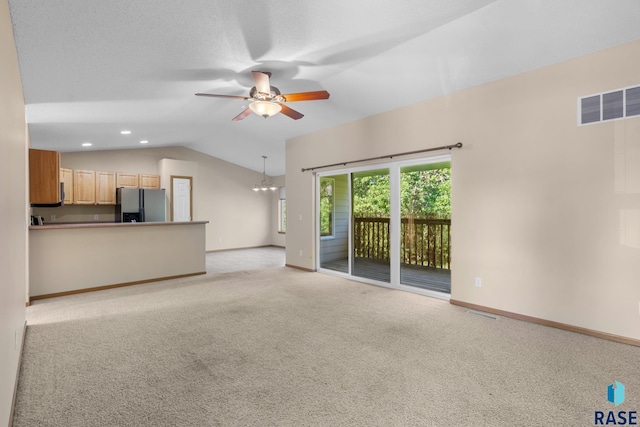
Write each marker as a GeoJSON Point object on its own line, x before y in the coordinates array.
{"type": "Point", "coordinates": [614, 105]}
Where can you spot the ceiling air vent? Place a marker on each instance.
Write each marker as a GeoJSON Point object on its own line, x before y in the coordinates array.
{"type": "Point", "coordinates": [590, 109]}
{"type": "Point", "coordinates": [633, 101]}
{"type": "Point", "coordinates": [614, 105]}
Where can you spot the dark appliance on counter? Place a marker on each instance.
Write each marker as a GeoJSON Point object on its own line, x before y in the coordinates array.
{"type": "Point", "coordinates": [37, 220]}
{"type": "Point", "coordinates": [140, 205]}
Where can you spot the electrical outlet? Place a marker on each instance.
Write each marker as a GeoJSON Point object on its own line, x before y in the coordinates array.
{"type": "Point", "coordinates": [479, 282]}
{"type": "Point", "coordinates": [219, 239]}
{"type": "Point", "coordinates": [300, 217]}
{"type": "Point", "coordinates": [300, 252]}
{"type": "Point", "coordinates": [53, 218]}
{"type": "Point", "coordinates": [96, 217]}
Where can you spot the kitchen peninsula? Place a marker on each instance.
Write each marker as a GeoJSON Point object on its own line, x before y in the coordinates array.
{"type": "Point", "coordinates": [71, 258]}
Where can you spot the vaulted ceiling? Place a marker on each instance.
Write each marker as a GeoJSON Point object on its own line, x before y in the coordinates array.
{"type": "Point", "coordinates": [91, 68]}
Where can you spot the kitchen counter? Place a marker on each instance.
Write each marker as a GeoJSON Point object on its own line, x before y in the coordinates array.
{"type": "Point", "coordinates": [72, 258]}
{"type": "Point", "coordinates": [63, 225]}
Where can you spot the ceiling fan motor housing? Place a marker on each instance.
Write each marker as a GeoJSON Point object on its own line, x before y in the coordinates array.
{"type": "Point", "coordinates": [273, 96]}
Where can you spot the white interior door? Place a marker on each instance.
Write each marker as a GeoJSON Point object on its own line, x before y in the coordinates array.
{"type": "Point", "coordinates": [181, 199]}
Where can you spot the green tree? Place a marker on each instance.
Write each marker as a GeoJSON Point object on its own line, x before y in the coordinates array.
{"type": "Point", "coordinates": [326, 206]}
{"type": "Point", "coordinates": [371, 196]}
{"type": "Point", "coordinates": [426, 194]}
{"type": "Point", "coordinates": [423, 194]}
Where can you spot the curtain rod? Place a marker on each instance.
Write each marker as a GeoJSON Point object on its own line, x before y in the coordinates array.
{"type": "Point", "coordinates": [389, 156]}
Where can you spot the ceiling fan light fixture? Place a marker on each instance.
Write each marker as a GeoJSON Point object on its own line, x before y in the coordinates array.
{"type": "Point", "coordinates": [265, 108]}
{"type": "Point", "coordinates": [266, 100]}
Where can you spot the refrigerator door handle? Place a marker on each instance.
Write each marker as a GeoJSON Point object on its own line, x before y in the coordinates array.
{"type": "Point", "coordinates": [141, 198]}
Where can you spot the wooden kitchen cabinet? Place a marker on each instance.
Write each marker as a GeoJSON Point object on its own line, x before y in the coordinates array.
{"type": "Point", "coordinates": [105, 188]}
{"type": "Point", "coordinates": [149, 181]}
{"type": "Point", "coordinates": [66, 177]}
{"type": "Point", "coordinates": [127, 180]}
{"type": "Point", "coordinates": [84, 187]}
{"type": "Point", "coordinates": [44, 177]}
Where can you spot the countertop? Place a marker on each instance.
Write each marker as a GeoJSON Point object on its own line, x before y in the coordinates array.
{"type": "Point", "coordinates": [111, 224]}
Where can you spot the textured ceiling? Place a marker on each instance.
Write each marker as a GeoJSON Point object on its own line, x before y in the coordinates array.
{"type": "Point", "coordinates": [91, 68]}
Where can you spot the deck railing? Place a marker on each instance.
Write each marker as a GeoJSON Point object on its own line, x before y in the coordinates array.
{"type": "Point", "coordinates": [425, 242]}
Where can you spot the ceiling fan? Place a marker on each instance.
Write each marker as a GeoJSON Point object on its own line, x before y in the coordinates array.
{"type": "Point", "coordinates": [266, 100]}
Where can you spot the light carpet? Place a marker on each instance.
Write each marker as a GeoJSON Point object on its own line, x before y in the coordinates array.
{"type": "Point", "coordinates": [281, 347]}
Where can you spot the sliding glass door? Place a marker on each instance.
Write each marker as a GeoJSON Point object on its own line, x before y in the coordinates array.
{"type": "Point", "coordinates": [333, 223]}
{"type": "Point", "coordinates": [390, 224]}
{"type": "Point", "coordinates": [371, 221]}
{"type": "Point", "coordinates": [425, 226]}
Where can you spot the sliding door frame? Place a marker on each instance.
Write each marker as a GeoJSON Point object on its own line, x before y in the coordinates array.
{"type": "Point", "coordinates": [317, 233]}
{"type": "Point", "coordinates": [394, 168]}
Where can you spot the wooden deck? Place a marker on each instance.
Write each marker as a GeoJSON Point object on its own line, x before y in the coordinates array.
{"type": "Point", "coordinates": [435, 279]}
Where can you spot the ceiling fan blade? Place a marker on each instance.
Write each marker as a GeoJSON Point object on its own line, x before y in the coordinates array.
{"type": "Point", "coordinates": [242, 115]}
{"type": "Point", "coordinates": [262, 81]}
{"type": "Point", "coordinates": [222, 96]}
{"type": "Point", "coordinates": [306, 96]}
{"type": "Point", "coordinates": [295, 115]}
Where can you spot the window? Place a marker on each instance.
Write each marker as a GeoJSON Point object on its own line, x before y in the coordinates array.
{"type": "Point", "coordinates": [326, 206]}
{"type": "Point", "coordinates": [282, 211]}
{"type": "Point", "coordinates": [282, 216]}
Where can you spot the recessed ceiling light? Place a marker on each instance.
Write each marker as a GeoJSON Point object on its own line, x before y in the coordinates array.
{"type": "Point", "coordinates": [144, 142]}
{"type": "Point", "coordinates": [86, 144]}
{"type": "Point", "coordinates": [125, 132]}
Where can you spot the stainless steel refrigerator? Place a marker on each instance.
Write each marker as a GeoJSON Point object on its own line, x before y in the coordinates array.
{"type": "Point", "coordinates": [140, 205]}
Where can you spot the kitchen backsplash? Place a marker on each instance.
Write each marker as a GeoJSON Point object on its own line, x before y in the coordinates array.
{"type": "Point", "coordinates": [76, 213]}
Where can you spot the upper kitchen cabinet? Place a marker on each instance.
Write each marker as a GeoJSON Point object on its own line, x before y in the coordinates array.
{"type": "Point", "coordinates": [44, 178]}
{"type": "Point", "coordinates": [105, 188]}
{"type": "Point", "coordinates": [84, 187]}
{"type": "Point", "coordinates": [149, 181]}
{"type": "Point", "coordinates": [66, 177]}
{"type": "Point", "coordinates": [93, 187]}
{"type": "Point", "coordinates": [127, 180]}
{"type": "Point", "coordinates": [134, 180]}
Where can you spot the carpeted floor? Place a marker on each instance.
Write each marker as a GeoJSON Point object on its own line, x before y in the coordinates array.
{"type": "Point", "coordinates": [281, 347]}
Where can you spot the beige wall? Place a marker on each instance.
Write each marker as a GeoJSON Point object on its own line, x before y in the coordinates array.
{"type": "Point", "coordinates": [238, 217]}
{"type": "Point", "coordinates": [13, 214]}
{"type": "Point", "coordinates": [545, 212]}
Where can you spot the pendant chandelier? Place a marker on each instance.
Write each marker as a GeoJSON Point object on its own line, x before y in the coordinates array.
{"type": "Point", "coordinates": [265, 184]}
